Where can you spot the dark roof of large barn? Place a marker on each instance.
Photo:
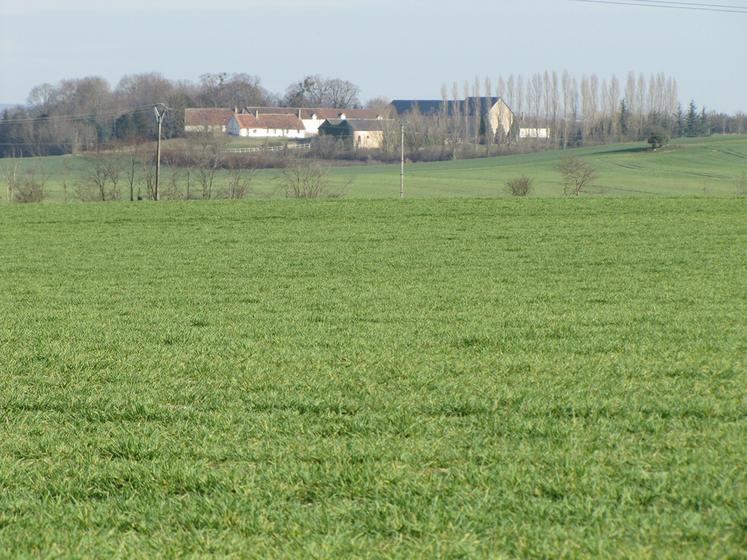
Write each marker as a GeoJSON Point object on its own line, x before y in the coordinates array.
{"type": "Point", "coordinates": [361, 125]}
{"type": "Point", "coordinates": [434, 106]}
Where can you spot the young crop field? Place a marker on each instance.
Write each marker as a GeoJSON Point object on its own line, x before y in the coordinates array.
{"type": "Point", "coordinates": [541, 377]}
{"type": "Point", "coordinates": [704, 167]}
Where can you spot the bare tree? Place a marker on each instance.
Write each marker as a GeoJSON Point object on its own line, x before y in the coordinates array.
{"type": "Point", "coordinates": [455, 122]}
{"type": "Point", "coordinates": [318, 91]}
{"type": "Point", "coordinates": [208, 156]}
{"type": "Point", "coordinates": [239, 183]}
{"type": "Point", "coordinates": [30, 187]}
{"type": "Point", "coordinates": [306, 179]}
{"type": "Point", "coordinates": [740, 184]}
{"type": "Point", "coordinates": [567, 87]}
{"type": "Point", "coordinates": [10, 172]}
{"type": "Point", "coordinates": [113, 171]}
{"type": "Point", "coordinates": [577, 175]}
{"type": "Point", "coordinates": [65, 174]}
{"type": "Point", "coordinates": [500, 88]}
{"type": "Point", "coordinates": [132, 174]}
{"type": "Point", "coordinates": [465, 111]}
{"type": "Point", "coordinates": [96, 175]}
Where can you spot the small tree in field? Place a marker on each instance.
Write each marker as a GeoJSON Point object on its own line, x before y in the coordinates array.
{"type": "Point", "coordinates": [741, 184]}
{"type": "Point", "coordinates": [657, 138]}
{"type": "Point", "coordinates": [519, 186]}
{"type": "Point", "coordinates": [577, 175]}
{"type": "Point", "coordinates": [306, 179]}
{"type": "Point", "coordinates": [239, 183]}
{"type": "Point", "coordinates": [31, 187]}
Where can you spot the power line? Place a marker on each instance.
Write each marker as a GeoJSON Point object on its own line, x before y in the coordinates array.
{"type": "Point", "coordinates": [77, 117]}
{"type": "Point", "coordinates": [668, 5]}
{"type": "Point", "coordinates": [698, 4]}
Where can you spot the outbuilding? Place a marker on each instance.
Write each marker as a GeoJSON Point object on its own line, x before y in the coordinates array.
{"type": "Point", "coordinates": [363, 133]}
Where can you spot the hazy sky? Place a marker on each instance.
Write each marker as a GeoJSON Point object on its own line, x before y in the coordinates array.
{"type": "Point", "coordinates": [395, 48]}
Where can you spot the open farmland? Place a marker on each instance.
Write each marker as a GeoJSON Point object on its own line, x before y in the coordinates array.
{"type": "Point", "coordinates": [704, 167]}
{"type": "Point", "coordinates": [518, 378]}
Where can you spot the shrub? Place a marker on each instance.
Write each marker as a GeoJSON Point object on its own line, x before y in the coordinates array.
{"type": "Point", "coordinates": [30, 188]}
{"type": "Point", "coordinates": [657, 137]}
{"type": "Point", "coordinates": [306, 179]}
{"type": "Point", "coordinates": [577, 175]}
{"type": "Point", "coordinates": [28, 192]}
{"type": "Point", "coordinates": [520, 186]}
{"type": "Point", "coordinates": [741, 184]}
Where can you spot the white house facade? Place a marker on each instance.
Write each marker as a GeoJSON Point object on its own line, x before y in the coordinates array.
{"type": "Point", "coordinates": [534, 133]}
{"type": "Point", "coordinates": [266, 126]}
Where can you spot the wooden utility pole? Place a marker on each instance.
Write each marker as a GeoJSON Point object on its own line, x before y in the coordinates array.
{"type": "Point", "coordinates": [160, 114]}
{"type": "Point", "coordinates": [402, 160]}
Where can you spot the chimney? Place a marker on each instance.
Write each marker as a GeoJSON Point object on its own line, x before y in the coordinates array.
{"type": "Point", "coordinates": [299, 113]}
{"type": "Point", "coordinates": [256, 113]}
{"type": "Point", "coordinates": [235, 109]}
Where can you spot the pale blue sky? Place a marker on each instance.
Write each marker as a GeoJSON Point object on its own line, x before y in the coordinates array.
{"type": "Point", "coordinates": [396, 48]}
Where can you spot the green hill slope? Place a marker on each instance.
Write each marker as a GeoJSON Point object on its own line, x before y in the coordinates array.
{"type": "Point", "coordinates": [688, 167]}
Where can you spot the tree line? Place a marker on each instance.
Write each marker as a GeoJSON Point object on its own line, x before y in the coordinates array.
{"type": "Point", "coordinates": [574, 111]}
{"type": "Point", "coordinates": [87, 114]}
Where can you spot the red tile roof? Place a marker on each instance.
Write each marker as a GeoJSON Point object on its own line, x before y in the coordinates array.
{"type": "Point", "coordinates": [276, 121]}
{"type": "Point", "coordinates": [321, 112]}
{"type": "Point", "coordinates": [207, 117]}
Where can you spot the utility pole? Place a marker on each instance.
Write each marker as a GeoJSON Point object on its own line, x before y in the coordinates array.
{"type": "Point", "coordinates": [160, 114]}
{"type": "Point", "coordinates": [402, 160]}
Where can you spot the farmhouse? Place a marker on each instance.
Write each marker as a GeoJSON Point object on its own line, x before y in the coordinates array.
{"type": "Point", "coordinates": [266, 126]}
{"type": "Point", "coordinates": [363, 133]}
{"type": "Point", "coordinates": [217, 120]}
{"type": "Point", "coordinates": [207, 119]}
{"type": "Point", "coordinates": [494, 110]}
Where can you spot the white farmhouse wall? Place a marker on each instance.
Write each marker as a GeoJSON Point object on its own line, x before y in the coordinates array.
{"type": "Point", "coordinates": [312, 126]}
{"type": "Point", "coordinates": [534, 132]}
{"type": "Point", "coordinates": [272, 133]}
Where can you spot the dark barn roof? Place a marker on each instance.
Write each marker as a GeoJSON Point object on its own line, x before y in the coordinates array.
{"type": "Point", "coordinates": [347, 126]}
{"type": "Point", "coordinates": [475, 105]}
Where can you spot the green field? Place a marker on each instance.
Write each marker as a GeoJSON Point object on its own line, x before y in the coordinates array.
{"type": "Point", "coordinates": [690, 167]}
{"type": "Point", "coordinates": [497, 378]}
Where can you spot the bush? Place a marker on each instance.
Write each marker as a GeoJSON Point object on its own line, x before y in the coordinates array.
{"type": "Point", "coordinates": [28, 192]}
{"type": "Point", "coordinates": [520, 186]}
{"type": "Point", "coordinates": [741, 184]}
{"type": "Point", "coordinates": [306, 179]}
{"type": "Point", "coordinates": [657, 137]}
{"type": "Point", "coordinates": [30, 188]}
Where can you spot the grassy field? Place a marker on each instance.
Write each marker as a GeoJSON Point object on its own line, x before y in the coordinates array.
{"type": "Point", "coordinates": [689, 167]}
{"type": "Point", "coordinates": [427, 378]}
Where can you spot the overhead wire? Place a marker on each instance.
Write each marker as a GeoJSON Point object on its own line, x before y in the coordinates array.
{"type": "Point", "coordinates": [723, 8]}
{"type": "Point", "coordinates": [84, 116]}
{"type": "Point", "coordinates": [696, 4]}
